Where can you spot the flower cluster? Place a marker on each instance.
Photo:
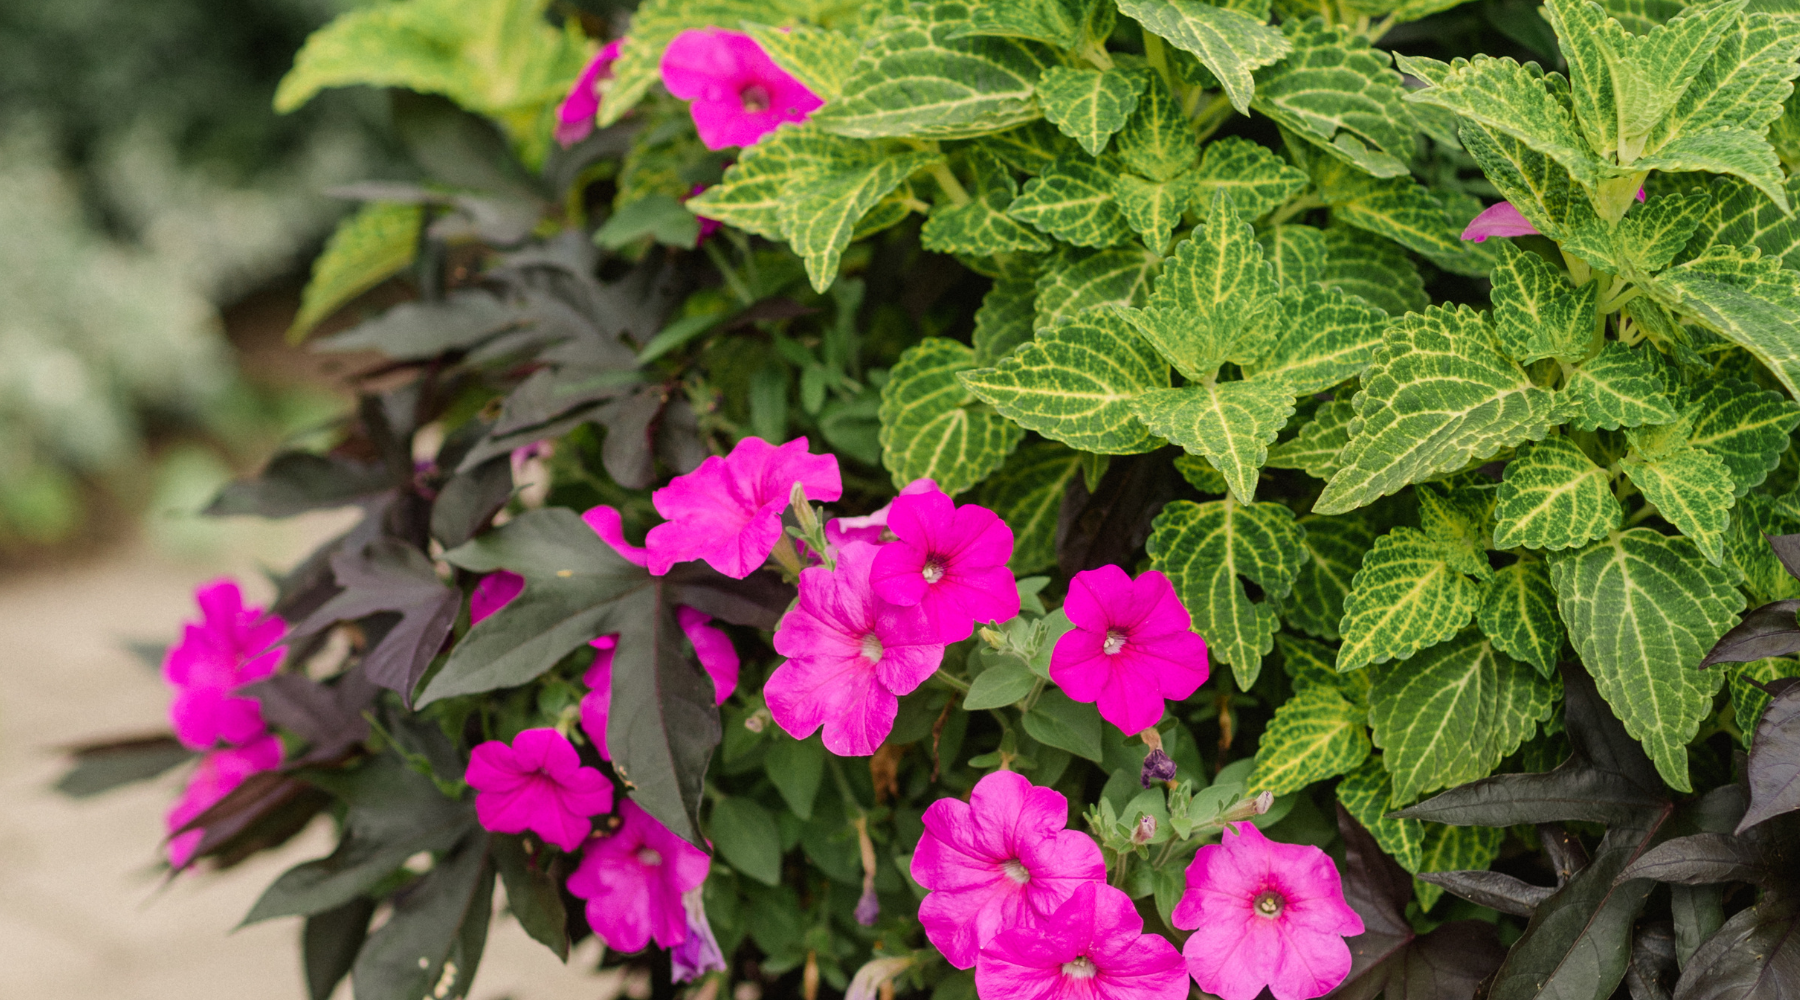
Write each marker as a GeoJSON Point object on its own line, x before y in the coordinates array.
{"type": "Point", "coordinates": [230, 646]}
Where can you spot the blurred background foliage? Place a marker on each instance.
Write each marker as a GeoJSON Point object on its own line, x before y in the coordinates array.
{"type": "Point", "coordinates": [147, 193]}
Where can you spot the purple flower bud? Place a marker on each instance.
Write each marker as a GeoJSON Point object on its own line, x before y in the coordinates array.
{"type": "Point", "coordinates": [1157, 767]}
{"type": "Point", "coordinates": [1146, 829]}
{"type": "Point", "coordinates": [1254, 806]}
{"type": "Point", "coordinates": [698, 953]}
{"type": "Point", "coordinates": [868, 908]}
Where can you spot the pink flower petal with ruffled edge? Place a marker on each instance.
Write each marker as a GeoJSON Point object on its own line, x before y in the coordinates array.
{"type": "Point", "coordinates": [871, 528]}
{"type": "Point", "coordinates": [219, 773]}
{"type": "Point", "coordinates": [949, 560]}
{"type": "Point", "coordinates": [232, 645]}
{"type": "Point", "coordinates": [728, 511]}
{"type": "Point", "coordinates": [738, 94]}
{"type": "Point", "coordinates": [634, 879]}
{"type": "Point", "coordinates": [575, 115]}
{"type": "Point", "coordinates": [1130, 649]}
{"type": "Point", "coordinates": [539, 784]}
{"type": "Point", "coordinates": [493, 592]}
{"type": "Point", "coordinates": [1091, 948]}
{"type": "Point", "coordinates": [717, 655]}
{"type": "Point", "coordinates": [596, 705]}
{"type": "Point", "coordinates": [610, 526]}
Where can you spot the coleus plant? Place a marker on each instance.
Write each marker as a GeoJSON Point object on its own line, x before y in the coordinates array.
{"type": "Point", "coordinates": [1184, 337]}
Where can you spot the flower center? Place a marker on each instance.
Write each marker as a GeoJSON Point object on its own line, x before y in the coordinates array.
{"type": "Point", "coordinates": [647, 856]}
{"type": "Point", "coordinates": [933, 571]}
{"type": "Point", "coordinates": [1082, 968]}
{"type": "Point", "coordinates": [1115, 641]}
{"type": "Point", "coordinates": [1268, 903]}
{"type": "Point", "coordinates": [755, 98]}
{"type": "Point", "coordinates": [1015, 871]}
{"type": "Point", "coordinates": [871, 648]}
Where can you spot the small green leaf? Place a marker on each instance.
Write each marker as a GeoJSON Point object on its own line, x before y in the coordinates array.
{"type": "Point", "coordinates": [1642, 609]}
{"type": "Point", "coordinates": [1157, 140]}
{"type": "Point", "coordinates": [1075, 280]}
{"type": "Point", "coordinates": [1295, 252]}
{"type": "Point", "coordinates": [1061, 23]}
{"type": "Point", "coordinates": [1205, 548]}
{"type": "Point", "coordinates": [1752, 300]}
{"type": "Point", "coordinates": [658, 216]}
{"type": "Point", "coordinates": [1335, 547]}
{"type": "Point", "coordinates": [1537, 312]}
{"type": "Point", "coordinates": [1257, 179]}
{"type": "Point", "coordinates": [1030, 148]}
{"type": "Point", "coordinates": [1554, 497]}
{"type": "Point", "coordinates": [1201, 475]}
{"type": "Point", "coordinates": [1314, 664]}
{"type": "Point", "coordinates": [1231, 423]}
{"type": "Point", "coordinates": [1654, 232]}
{"type": "Point", "coordinates": [1742, 216]}
{"type": "Point", "coordinates": [1619, 387]}
{"type": "Point", "coordinates": [999, 685]}
{"type": "Point", "coordinates": [1454, 849]}
{"type": "Point", "coordinates": [1401, 210]}
{"type": "Point", "coordinates": [1325, 338]}
{"type": "Point", "coordinates": [1075, 383]}
{"type": "Point", "coordinates": [982, 226]}
{"type": "Point", "coordinates": [1691, 489]}
{"type": "Point", "coordinates": [1504, 97]}
{"type": "Point", "coordinates": [1745, 427]}
{"type": "Point", "coordinates": [1004, 320]}
{"type": "Point", "coordinates": [795, 768]}
{"type": "Point", "coordinates": [1406, 596]}
{"type": "Point", "coordinates": [1374, 270]}
{"type": "Point", "coordinates": [750, 195]}
{"type": "Point", "coordinates": [1747, 551]}
{"type": "Point", "coordinates": [1367, 794]}
{"type": "Point", "coordinates": [1228, 42]}
{"type": "Point", "coordinates": [379, 241]}
{"type": "Point", "coordinates": [1518, 614]}
{"type": "Point", "coordinates": [1314, 735]}
{"type": "Point", "coordinates": [930, 425]}
{"type": "Point", "coordinates": [747, 838]}
{"type": "Point", "coordinates": [1536, 184]}
{"type": "Point", "coordinates": [1065, 724]}
{"type": "Point", "coordinates": [1073, 200]}
{"type": "Point", "coordinates": [818, 57]}
{"type": "Point", "coordinates": [1089, 105]}
{"type": "Point", "coordinates": [819, 218]}
{"type": "Point", "coordinates": [1340, 94]}
{"type": "Point", "coordinates": [1316, 448]}
{"type": "Point", "coordinates": [1027, 492]}
{"type": "Point", "coordinates": [1152, 209]}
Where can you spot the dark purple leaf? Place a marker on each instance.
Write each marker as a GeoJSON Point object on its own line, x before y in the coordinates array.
{"type": "Point", "coordinates": [329, 944]}
{"type": "Point", "coordinates": [1701, 859]}
{"type": "Point", "coordinates": [1107, 526]}
{"type": "Point", "coordinates": [295, 482]}
{"type": "Point", "coordinates": [1754, 956]}
{"type": "Point", "coordinates": [418, 330]}
{"type": "Point", "coordinates": [1787, 549]}
{"type": "Point", "coordinates": [1493, 889]}
{"type": "Point", "coordinates": [390, 577]}
{"type": "Point", "coordinates": [1774, 770]}
{"type": "Point", "coordinates": [1770, 630]}
{"type": "Point", "coordinates": [329, 717]}
{"type": "Point", "coordinates": [433, 923]}
{"type": "Point", "coordinates": [469, 500]}
{"type": "Point", "coordinates": [534, 891]}
{"type": "Point", "coordinates": [628, 451]}
{"type": "Point", "coordinates": [1564, 850]}
{"type": "Point", "coordinates": [101, 767]}
{"type": "Point", "coordinates": [266, 810]}
{"type": "Point", "coordinates": [1653, 969]}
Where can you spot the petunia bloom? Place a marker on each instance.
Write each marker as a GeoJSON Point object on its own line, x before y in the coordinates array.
{"type": "Point", "coordinates": [575, 115]}
{"type": "Point", "coordinates": [610, 526]}
{"type": "Point", "coordinates": [1001, 859]}
{"type": "Point", "coordinates": [850, 656]}
{"type": "Point", "coordinates": [231, 646]}
{"type": "Point", "coordinates": [1093, 947]}
{"type": "Point", "coordinates": [1502, 219]}
{"type": "Point", "coordinates": [539, 784]}
{"type": "Point", "coordinates": [493, 592]}
{"type": "Point", "coordinates": [728, 511]}
{"type": "Point", "coordinates": [1131, 647]}
{"type": "Point", "coordinates": [872, 528]}
{"type": "Point", "coordinates": [698, 953]}
{"type": "Point", "coordinates": [717, 655]}
{"type": "Point", "coordinates": [596, 705]}
{"type": "Point", "coordinates": [739, 95]}
{"type": "Point", "coordinates": [949, 560]}
{"type": "Point", "coordinates": [219, 773]}
{"type": "Point", "coordinates": [1274, 915]}
{"type": "Point", "coordinates": [634, 881]}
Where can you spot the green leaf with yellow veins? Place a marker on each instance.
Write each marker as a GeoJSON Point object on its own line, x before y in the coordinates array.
{"type": "Point", "coordinates": [1340, 94]}
{"type": "Point", "coordinates": [1503, 96]}
{"type": "Point", "coordinates": [917, 77]}
{"type": "Point", "coordinates": [1314, 664]}
{"type": "Point", "coordinates": [982, 226]}
{"type": "Point", "coordinates": [1029, 148]}
{"type": "Point", "coordinates": [1205, 548]}
{"type": "Point", "coordinates": [1401, 210]}
{"type": "Point", "coordinates": [1454, 849]}
{"type": "Point", "coordinates": [1004, 320]}
{"type": "Point", "coordinates": [1075, 280]}
{"type": "Point", "coordinates": [819, 218]}
{"type": "Point", "coordinates": [1073, 200]}
{"type": "Point", "coordinates": [1537, 312]}
{"type": "Point", "coordinates": [1075, 383]}
{"type": "Point", "coordinates": [1458, 521]}
{"type": "Point", "coordinates": [1027, 492]}
{"type": "Point", "coordinates": [1518, 615]}
{"type": "Point", "coordinates": [370, 246]}
{"type": "Point", "coordinates": [653, 26]}
{"type": "Point", "coordinates": [1374, 270]}
{"type": "Point", "coordinates": [1745, 82]}
{"type": "Point", "coordinates": [818, 57]}
{"type": "Point", "coordinates": [1450, 714]}
{"type": "Point", "coordinates": [1316, 448]}
{"type": "Point", "coordinates": [929, 429]}
{"type": "Point", "coordinates": [1089, 105]}
{"type": "Point", "coordinates": [1157, 140]}
{"type": "Point", "coordinates": [1316, 734]}
{"type": "Point", "coordinates": [1257, 180]}
{"type": "Point", "coordinates": [1619, 387]}
{"type": "Point", "coordinates": [1642, 609]}
{"type": "Point", "coordinates": [1295, 252]}
{"type": "Point", "coordinates": [1437, 395]}
{"type": "Point", "coordinates": [1554, 497]}
{"type": "Point", "coordinates": [1749, 299]}
{"type": "Point", "coordinates": [1153, 209]}
{"type": "Point", "coordinates": [1747, 699]}
{"type": "Point", "coordinates": [1534, 183]}
{"type": "Point", "coordinates": [1691, 489]}
{"type": "Point", "coordinates": [1215, 301]}
{"type": "Point", "coordinates": [1724, 150]}
{"type": "Point", "coordinates": [1061, 23]}
{"type": "Point", "coordinates": [1231, 423]}
{"type": "Point", "coordinates": [1741, 216]}
{"type": "Point", "coordinates": [1335, 547]}
{"type": "Point", "coordinates": [1652, 234]}
{"type": "Point", "coordinates": [1745, 427]}
{"type": "Point", "coordinates": [1230, 43]}
{"type": "Point", "coordinates": [1748, 552]}
{"type": "Point", "coordinates": [1325, 337]}
{"type": "Point", "coordinates": [1200, 474]}
{"type": "Point", "coordinates": [1407, 596]}
{"type": "Point", "coordinates": [750, 195]}
{"type": "Point", "coordinates": [1367, 794]}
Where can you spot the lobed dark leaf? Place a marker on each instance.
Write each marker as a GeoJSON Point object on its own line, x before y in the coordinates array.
{"type": "Point", "coordinates": [102, 767]}
{"type": "Point", "coordinates": [388, 575]}
{"type": "Point", "coordinates": [266, 810]}
{"type": "Point", "coordinates": [329, 943]}
{"type": "Point", "coordinates": [1771, 630]}
{"type": "Point", "coordinates": [1700, 859]}
{"type": "Point", "coordinates": [405, 959]}
{"type": "Point", "coordinates": [1774, 769]}
{"type": "Point", "coordinates": [469, 500]}
{"type": "Point", "coordinates": [418, 330]}
{"type": "Point", "coordinates": [1492, 889]}
{"type": "Point", "coordinates": [296, 481]}
{"type": "Point", "coordinates": [1755, 955]}
{"type": "Point", "coordinates": [329, 717]}
{"type": "Point", "coordinates": [1787, 549]}
{"type": "Point", "coordinates": [533, 884]}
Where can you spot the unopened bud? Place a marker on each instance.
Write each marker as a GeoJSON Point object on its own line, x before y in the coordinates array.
{"type": "Point", "coordinates": [868, 908]}
{"type": "Point", "coordinates": [756, 721]}
{"type": "Point", "coordinates": [1146, 830]}
{"type": "Point", "coordinates": [1157, 767]}
{"type": "Point", "coordinates": [804, 515]}
{"type": "Point", "coordinates": [1251, 807]}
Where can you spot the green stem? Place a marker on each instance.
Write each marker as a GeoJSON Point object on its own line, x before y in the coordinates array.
{"type": "Point", "coordinates": [732, 280]}
{"type": "Point", "coordinates": [1295, 206]}
{"type": "Point", "coordinates": [1212, 116]}
{"type": "Point", "coordinates": [1158, 58]}
{"type": "Point", "coordinates": [946, 180]}
{"type": "Point", "coordinates": [851, 802]}
{"type": "Point", "coordinates": [955, 682]}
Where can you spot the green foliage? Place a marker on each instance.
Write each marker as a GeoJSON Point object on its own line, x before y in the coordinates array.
{"type": "Point", "coordinates": [377, 242]}
{"type": "Point", "coordinates": [928, 428]}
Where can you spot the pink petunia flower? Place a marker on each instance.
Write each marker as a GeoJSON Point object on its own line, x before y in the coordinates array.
{"type": "Point", "coordinates": [739, 95]}
{"type": "Point", "coordinates": [1131, 647]}
{"type": "Point", "coordinates": [493, 592]}
{"type": "Point", "coordinates": [1502, 219]}
{"type": "Point", "coordinates": [634, 881]}
{"type": "Point", "coordinates": [1092, 948]}
{"type": "Point", "coordinates": [537, 784]}
{"type": "Point", "coordinates": [1274, 915]}
{"type": "Point", "coordinates": [872, 528]}
{"type": "Point", "coordinates": [949, 560]}
{"type": "Point", "coordinates": [1000, 860]}
{"type": "Point", "coordinates": [219, 774]}
{"type": "Point", "coordinates": [232, 645]}
{"type": "Point", "coordinates": [610, 526]}
{"type": "Point", "coordinates": [575, 115]}
{"type": "Point", "coordinates": [728, 511]}
{"type": "Point", "coordinates": [850, 656]}
{"type": "Point", "coordinates": [596, 705]}
{"type": "Point", "coordinates": [717, 655]}
{"type": "Point", "coordinates": [698, 953]}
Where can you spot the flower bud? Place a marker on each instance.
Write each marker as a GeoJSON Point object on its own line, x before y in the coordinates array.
{"type": "Point", "coordinates": [1146, 830]}
{"type": "Point", "coordinates": [868, 908]}
{"type": "Point", "coordinates": [1157, 767]}
{"type": "Point", "coordinates": [1250, 807]}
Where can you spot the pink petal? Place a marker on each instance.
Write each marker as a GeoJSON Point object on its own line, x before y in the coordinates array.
{"type": "Point", "coordinates": [575, 116]}
{"type": "Point", "coordinates": [493, 593]}
{"type": "Point", "coordinates": [717, 655]}
{"type": "Point", "coordinates": [898, 574]}
{"type": "Point", "coordinates": [609, 525]}
{"type": "Point", "coordinates": [738, 93]}
{"type": "Point", "coordinates": [1091, 594]}
{"type": "Point", "coordinates": [1501, 219]}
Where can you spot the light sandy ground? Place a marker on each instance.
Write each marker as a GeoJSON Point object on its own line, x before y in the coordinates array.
{"type": "Point", "coordinates": [84, 914]}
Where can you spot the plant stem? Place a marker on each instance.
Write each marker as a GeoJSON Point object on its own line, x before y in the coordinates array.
{"type": "Point", "coordinates": [1158, 58]}
{"type": "Point", "coordinates": [955, 682]}
{"type": "Point", "coordinates": [729, 273]}
{"type": "Point", "coordinates": [1212, 116]}
{"type": "Point", "coordinates": [946, 180]}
